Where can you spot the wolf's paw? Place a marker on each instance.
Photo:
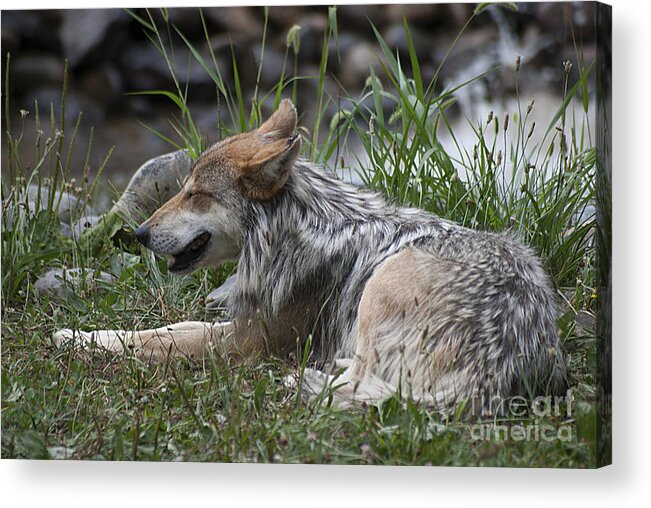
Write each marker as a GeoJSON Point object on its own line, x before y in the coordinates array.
{"type": "Point", "coordinates": [68, 336]}
{"type": "Point", "coordinates": [312, 383]}
{"type": "Point", "coordinates": [107, 339]}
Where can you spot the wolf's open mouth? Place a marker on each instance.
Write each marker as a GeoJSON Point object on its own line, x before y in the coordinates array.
{"type": "Point", "coordinates": [192, 252]}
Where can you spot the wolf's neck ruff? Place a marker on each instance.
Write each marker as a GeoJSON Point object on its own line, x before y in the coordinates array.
{"type": "Point", "coordinates": [333, 235]}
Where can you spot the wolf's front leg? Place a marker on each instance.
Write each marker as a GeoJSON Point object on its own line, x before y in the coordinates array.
{"type": "Point", "coordinates": [192, 339]}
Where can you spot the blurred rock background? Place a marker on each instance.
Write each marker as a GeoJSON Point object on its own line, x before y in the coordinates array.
{"type": "Point", "coordinates": [109, 56]}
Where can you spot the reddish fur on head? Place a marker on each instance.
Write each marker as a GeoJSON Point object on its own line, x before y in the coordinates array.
{"type": "Point", "coordinates": [262, 159]}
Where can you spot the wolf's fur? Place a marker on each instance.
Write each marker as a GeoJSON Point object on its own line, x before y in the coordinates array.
{"type": "Point", "coordinates": [402, 298]}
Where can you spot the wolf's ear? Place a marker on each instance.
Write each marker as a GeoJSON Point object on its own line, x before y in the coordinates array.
{"type": "Point", "coordinates": [282, 124]}
{"type": "Point", "coordinates": [267, 172]}
{"type": "Point", "coordinates": [268, 169]}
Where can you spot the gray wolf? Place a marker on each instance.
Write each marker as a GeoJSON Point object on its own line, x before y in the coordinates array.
{"type": "Point", "coordinates": [396, 299]}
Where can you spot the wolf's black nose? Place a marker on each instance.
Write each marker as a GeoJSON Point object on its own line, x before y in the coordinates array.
{"type": "Point", "coordinates": [142, 234]}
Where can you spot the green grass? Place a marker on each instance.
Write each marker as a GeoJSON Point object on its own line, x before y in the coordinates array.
{"type": "Point", "coordinates": [59, 402]}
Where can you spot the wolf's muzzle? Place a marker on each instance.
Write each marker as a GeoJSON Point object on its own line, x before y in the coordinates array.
{"type": "Point", "coordinates": [142, 234]}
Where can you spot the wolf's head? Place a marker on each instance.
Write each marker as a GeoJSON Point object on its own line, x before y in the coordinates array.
{"type": "Point", "coordinates": [202, 225]}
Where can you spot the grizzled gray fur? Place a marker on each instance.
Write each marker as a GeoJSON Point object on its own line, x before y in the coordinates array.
{"type": "Point", "coordinates": [334, 235]}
